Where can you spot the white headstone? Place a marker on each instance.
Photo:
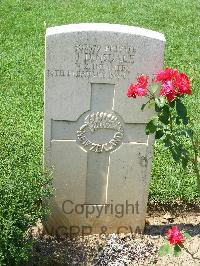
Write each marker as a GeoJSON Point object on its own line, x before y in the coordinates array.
{"type": "Point", "coordinates": [94, 135]}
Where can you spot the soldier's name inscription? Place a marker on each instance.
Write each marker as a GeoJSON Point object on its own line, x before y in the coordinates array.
{"type": "Point", "coordinates": [98, 61]}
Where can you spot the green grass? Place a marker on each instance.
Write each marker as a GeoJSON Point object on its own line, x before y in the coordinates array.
{"type": "Point", "coordinates": [22, 30]}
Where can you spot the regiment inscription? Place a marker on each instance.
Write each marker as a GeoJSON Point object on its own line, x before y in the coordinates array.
{"type": "Point", "coordinates": [98, 121]}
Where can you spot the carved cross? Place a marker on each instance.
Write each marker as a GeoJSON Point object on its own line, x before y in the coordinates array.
{"type": "Point", "coordinates": [99, 132]}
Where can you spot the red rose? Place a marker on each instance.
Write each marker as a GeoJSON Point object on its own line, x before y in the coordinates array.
{"type": "Point", "coordinates": [182, 84]}
{"type": "Point", "coordinates": [131, 91]}
{"type": "Point", "coordinates": [142, 81]}
{"type": "Point", "coordinates": [173, 83]}
{"type": "Point", "coordinates": [166, 74]}
{"type": "Point", "coordinates": [168, 90]}
{"type": "Point", "coordinates": [175, 236]}
{"type": "Point", "coordinates": [138, 89]}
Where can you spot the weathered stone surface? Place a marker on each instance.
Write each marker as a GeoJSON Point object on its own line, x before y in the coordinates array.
{"type": "Point", "coordinates": [94, 137]}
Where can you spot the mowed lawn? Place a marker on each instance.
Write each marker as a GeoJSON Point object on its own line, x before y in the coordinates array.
{"type": "Point", "coordinates": [22, 31]}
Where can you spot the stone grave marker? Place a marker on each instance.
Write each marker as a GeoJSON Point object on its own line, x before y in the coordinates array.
{"type": "Point", "coordinates": [94, 136]}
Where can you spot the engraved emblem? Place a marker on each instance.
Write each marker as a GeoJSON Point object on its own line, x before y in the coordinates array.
{"type": "Point", "coordinates": [97, 121]}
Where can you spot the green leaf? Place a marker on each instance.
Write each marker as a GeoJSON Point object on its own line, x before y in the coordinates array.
{"type": "Point", "coordinates": [176, 153]}
{"type": "Point", "coordinates": [143, 106]}
{"type": "Point", "coordinates": [151, 127]}
{"type": "Point", "coordinates": [167, 142]}
{"type": "Point", "coordinates": [164, 118]}
{"type": "Point", "coordinates": [177, 250]}
{"type": "Point", "coordinates": [186, 235]}
{"type": "Point", "coordinates": [185, 120]}
{"type": "Point", "coordinates": [181, 109]}
{"type": "Point", "coordinates": [158, 109]}
{"type": "Point", "coordinates": [159, 134]}
{"type": "Point", "coordinates": [178, 120]}
{"type": "Point", "coordinates": [165, 249]}
{"type": "Point", "coordinates": [172, 104]}
{"type": "Point", "coordinates": [184, 162]}
{"type": "Point", "coordinates": [151, 104]}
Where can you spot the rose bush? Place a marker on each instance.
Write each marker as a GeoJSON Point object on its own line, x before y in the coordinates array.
{"type": "Point", "coordinates": [171, 123]}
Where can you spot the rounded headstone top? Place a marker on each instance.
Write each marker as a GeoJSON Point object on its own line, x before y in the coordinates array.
{"type": "Point", "coordinates": [105, 27]}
